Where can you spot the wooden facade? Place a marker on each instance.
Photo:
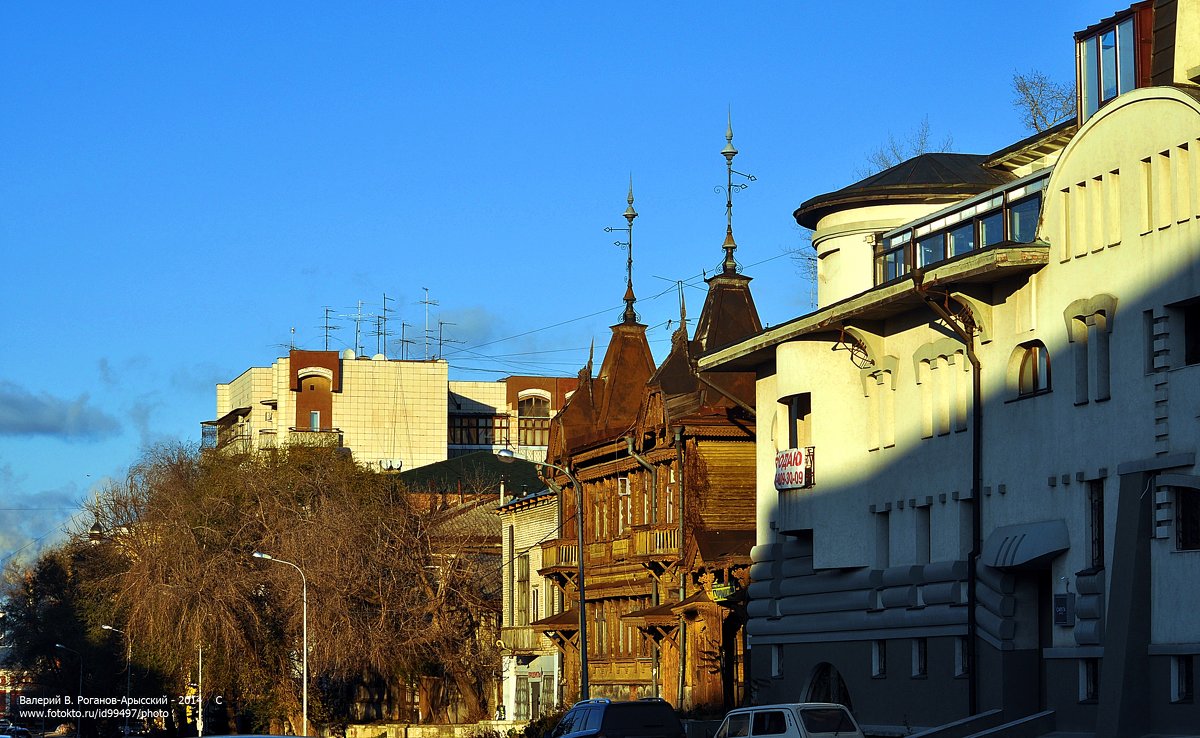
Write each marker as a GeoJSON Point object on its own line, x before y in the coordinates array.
{"type": "Point", "coordinates": [665, 459]}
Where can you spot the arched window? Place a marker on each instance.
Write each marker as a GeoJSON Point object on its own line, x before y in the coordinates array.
{"type": "Point", "coordinates": [533, 421]}
{"type": "Point", "coordinates": [1034, 374]}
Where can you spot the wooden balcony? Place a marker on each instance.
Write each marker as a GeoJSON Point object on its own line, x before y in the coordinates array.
{"type": "Point", "coordinates": [656, 546]}
{"type": "Point", "coordinates": [560, 560]}
{"type": "Point", "coordinates": [525, 640]}
{"type": "Point", "coordinates": [621, 671]}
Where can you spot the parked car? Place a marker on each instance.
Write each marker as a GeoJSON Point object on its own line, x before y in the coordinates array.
{"type": "Point", "coordinates": [795, 720]}
{"type": "Point", "coordinates": [605, 718]}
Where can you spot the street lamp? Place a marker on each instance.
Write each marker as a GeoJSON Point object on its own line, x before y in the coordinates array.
{"type": "Point", "coordinates": [78, 720]}
{"type": "Point", "coordinates": [507, 456]}
{"type": "Point", "coordinates": [128, 669]}
{"type": "Point", "coordinates": [304, 630]}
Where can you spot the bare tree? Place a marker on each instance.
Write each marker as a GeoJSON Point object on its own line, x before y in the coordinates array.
{"type": "Point", "coordinates": [383, 601]}
{"type": "Point", "coordinates": [1041, 101]}
{"type": "Point", "coordinates": [895, 150]}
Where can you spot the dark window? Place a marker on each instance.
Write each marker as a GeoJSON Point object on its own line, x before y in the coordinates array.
{"type": "Point", "coordinates": [1096, 522]}
{"type": "Point", "coordinates": [1023, 218]}
{"type": "Point", "coordinates": [478, 430]}
{"type": "Point", "coordinates": [931, 249]}
{"type": "Point", "coordinates": [892, 261]}
{"type": "Point", "coordinates": [920, 652]}
{"type": "Point", "coordinates": [991, 229]}
{"type": "Point", "coordinates": [1034, 376]}
{"type": "Point", "coordinates": [1191, 333]}
{"type": "Point", "coordinates": [961, 239]}
{"type": "Point", "coordinates": [770, 722]}
{"type": "Point", "coordinates": [1182, 679]}
{"type": "Point", "coordinates": [827, 720]}
{"type": "Point", "coordinates": [1187, 519]}
{"type": "Point", "coordinates": [1089, 680]}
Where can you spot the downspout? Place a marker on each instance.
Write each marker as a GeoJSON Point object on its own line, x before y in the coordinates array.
{"type": "Point", "coordinates": [560, 662]}
{"type": "Point", "coordinates": [682, 574]}
{"type": "Point", "coordinates": [967, 335]}
{"type": "Point", "coordinates": [654, 518]}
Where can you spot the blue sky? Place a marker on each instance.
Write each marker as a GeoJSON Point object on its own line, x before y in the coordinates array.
{"type": "Point", "coordinates": [182, 186]}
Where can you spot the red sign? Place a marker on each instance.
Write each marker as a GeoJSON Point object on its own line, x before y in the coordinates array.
{"type": "Point", "coordinates": [794, 468]}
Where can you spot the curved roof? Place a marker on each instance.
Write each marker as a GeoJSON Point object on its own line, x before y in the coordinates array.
{"type": "Point", "coordinates": [927, 178]}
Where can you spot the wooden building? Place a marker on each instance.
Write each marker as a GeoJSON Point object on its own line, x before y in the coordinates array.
{"type": "Point", "coordinates": [665, 459]}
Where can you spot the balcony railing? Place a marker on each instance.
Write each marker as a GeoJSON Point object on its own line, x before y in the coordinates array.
{"type": "Point", "coordinates": [559, 553]}
{"type": "Point", "coordinates": [656, 541]}
{"type": "Point", "coordinates": [329, 437]}
{"type": "Point", "coordinates": [523, 639]}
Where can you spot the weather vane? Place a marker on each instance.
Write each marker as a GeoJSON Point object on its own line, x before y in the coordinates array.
{"type": "Point", "coordinates": [730, 264]}
{"type": "Point", "coordinates": [629, 316]}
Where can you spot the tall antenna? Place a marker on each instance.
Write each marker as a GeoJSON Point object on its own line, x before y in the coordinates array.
{"type": "Point", "coordinates": [629, 316]}
{"type": "Point", "coordinates": [729, 266]}
{"type": "Point", "coordinates": [442, 340]}
{"type": "Point", "coordinates": [427, 302]}
{"type": "Point", "coordinates": [328, 327]}
{"type": "Point", "coordinates": [383, 324]}
{"type": "Point", "coordinates": [404, 341]}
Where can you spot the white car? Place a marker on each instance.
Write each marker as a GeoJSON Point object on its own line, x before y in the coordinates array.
{"type": "Point", "coordinates": [793, 720]}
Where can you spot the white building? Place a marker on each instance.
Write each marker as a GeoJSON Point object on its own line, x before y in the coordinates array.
{"type": "Point", "coordinates": [1001, 509]}
{"type": "Point", "coordinates": [390, 413]}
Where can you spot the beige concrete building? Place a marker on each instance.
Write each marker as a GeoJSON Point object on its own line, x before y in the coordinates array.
{"type": "Point", "coordinates": [390, 413]}
{"type": "Point", "coordinates": [985, 496]}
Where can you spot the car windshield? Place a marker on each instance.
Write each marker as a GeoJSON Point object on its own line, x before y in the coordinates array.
{"type": "Point", "coordinates": [827, 720]}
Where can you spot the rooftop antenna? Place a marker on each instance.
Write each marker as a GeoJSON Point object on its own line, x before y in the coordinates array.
{"type": "Point", "coordinates": [441, 340]}
{"type": "Point", "coordinates": [427, 302]}
{"type": "Point", "coordinates": [328, 327]}
{"type": "Point", "coordinates": [729, 265]}
{"type": "Point", "coordinates": [404, 341]}
{"type": "Point", "coordinates": [383, 323]}
{"type": "Point", "coordinates": [629, 316]}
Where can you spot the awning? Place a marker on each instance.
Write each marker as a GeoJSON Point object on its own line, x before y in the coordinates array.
{"type": "Point", "coordinates": [1026, 545]}
{"type": "Point", "coordinates": [566, 621]}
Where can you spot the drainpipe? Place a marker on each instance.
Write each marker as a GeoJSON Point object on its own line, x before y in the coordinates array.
{"type": "Point", "coordinates": [967, 336]}
{"type": "Point", "coordinates": [654, 518]}
{"type": "Point", "coordinates": [682, 574]}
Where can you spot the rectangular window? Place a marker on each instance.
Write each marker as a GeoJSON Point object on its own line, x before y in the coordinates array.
{"type": "Point", "coordinates": [1187, 519]}
{"type": "Point", "coordinates": [892, 261]}
{"type": "Point", "coordinates": [931, 249]}
{"type": "Point", "coordinates": [1108, 62]}
{"type": "Point", "coordinates": [991, 229]}
{"type": "Point", "coordinates": [799, 410]}
{"type": "Point", "coordinates": [961, 239]}
{"type": "Point", "coordinates": [1191, 333]}
{"type": "Point", "coordinates": [879, 659]}
{"type": "Point", "coordinates": [314, 420]}
{"type": "Point", "coordinates": [962, 656]}
{"type": "Point", "coordinates": [920, 655]}
{"type": "Point", "coordinates": [776, 661]}
{"type": "Point", "coordinates": [1023, 218]}
{"type": "Point", "coordinates": [923, 534]}
{"type": "Point", "coordinates": [477, 430]}
{"type": "Point", "coordinates": [1089, 680]}
{"type": "Point", "coordinates": [521, 590]}
{"type": "Point", "coordinates": [1096, 522]}
{"type": "Point", "coordinates": [883, 540]}
{"type": "Point", "coordinates": [1182, 689]}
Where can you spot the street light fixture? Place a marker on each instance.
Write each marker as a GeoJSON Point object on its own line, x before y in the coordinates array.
{"type": "Point", "coordinates": [507, 456]}
{"type": "Point", "coordinates": [78, 720]}
{"type": "Point", "coordinates": [304, 630]}
{"type": "Point", "coordinates": [128, 669]}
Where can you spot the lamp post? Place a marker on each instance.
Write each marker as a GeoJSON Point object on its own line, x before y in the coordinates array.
{"type": "Point", "coordinates": [507, 456]}
{"type": "Point", "coordinates": [78, 720]}
{"type": "Point", "coordinates": [304, 631]}
{"type": "Point", "coordinates": [128, 669]}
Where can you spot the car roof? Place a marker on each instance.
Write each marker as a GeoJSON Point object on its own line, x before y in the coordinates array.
{"type": "Point", "coordinates": [786, 705]}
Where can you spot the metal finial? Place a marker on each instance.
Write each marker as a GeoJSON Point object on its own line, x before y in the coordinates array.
{"type": "Point", "coordinates": [729, 265]}
{"type": "Point", "coordinates": [628, 315]}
